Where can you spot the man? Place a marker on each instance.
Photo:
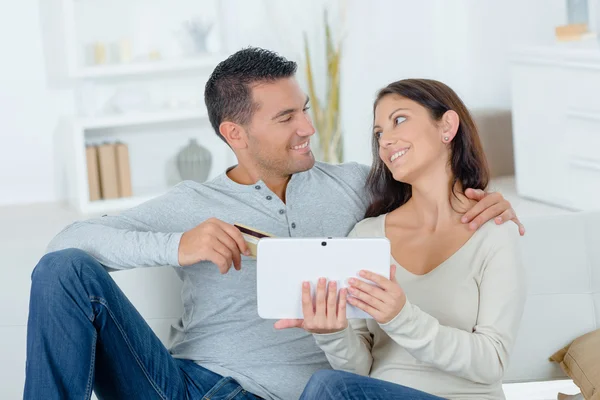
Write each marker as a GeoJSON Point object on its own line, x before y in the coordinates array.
{"type": "Point", "coordinates": [83, 333]}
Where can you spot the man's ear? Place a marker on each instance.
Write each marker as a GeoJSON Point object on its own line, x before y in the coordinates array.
{"type": "Point", "coordinates": [234, 134]}
{"type": "Point", "coordinates": [449, 124]}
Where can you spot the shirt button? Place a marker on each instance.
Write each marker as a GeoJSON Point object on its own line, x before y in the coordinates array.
{"type": "Point", "coordinates": [257, 187]}
{"type": "Point", "coordinates": [293, 225]}
{"type": "Point", "coordinates": [281, 211]}
{"type": "Point", "coordinates": [269, 197]}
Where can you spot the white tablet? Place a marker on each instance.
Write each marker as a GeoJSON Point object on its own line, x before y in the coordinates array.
{"type": "Point", "coordinates": [284, 263]}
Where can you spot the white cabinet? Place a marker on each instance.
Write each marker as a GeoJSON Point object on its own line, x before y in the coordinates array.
{"type": "Point", "coordinates": [556, 124]}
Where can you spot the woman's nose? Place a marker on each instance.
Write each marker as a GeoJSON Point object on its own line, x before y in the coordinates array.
{"type": "Point", "coordinates": [386, 140]}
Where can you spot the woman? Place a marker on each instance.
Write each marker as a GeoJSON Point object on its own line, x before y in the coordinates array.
{"type": "Point", "coordinates": [445, 320]}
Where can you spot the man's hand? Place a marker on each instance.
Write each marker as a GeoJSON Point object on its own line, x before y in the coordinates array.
{"type": "Point", "coordinates": [214, 241]}
{"type": "Point", "coordinates": [326, 316]}
{"type": "Point", "coordinates": [490, 206]}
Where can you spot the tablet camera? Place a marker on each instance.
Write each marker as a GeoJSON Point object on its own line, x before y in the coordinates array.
{"type": "Point", "coordinates": [323, 243]}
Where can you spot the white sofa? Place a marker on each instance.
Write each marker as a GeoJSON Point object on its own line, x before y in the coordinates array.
{"type": "Point", "coordinates": [562, 256]}
{"type": "Point", "coordinates": [561, 252]}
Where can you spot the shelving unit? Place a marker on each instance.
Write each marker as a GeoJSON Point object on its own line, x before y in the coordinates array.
{"type": "Point", "coordinates": [153, 135]}
{"type": "Point", "coordinates": [146, 68]}
{"type": "Point", "coordinates": [146, 118]}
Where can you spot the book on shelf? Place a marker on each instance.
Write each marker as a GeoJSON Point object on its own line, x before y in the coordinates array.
{"type": "Point", "coordinates": [108, 171]}
{"type": "Point", "coordinates": [123, 170]}
{"type": "Point", "coordinates": [91, 155]}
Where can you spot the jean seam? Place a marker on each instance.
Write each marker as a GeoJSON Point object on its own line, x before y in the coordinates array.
{"type": "Point", "coordinates": [101, 301]}
{"type": "Point", "coordinates": [90, 383]}
{"type": "Point", "coordinates": [234, 393]}
{"type": "Point", "coordinates": [216, 388]}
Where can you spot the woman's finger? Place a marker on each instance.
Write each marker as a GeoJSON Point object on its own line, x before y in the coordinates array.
{"type": "Point", "coordinates": [341, 313]}
{"type": "Point", "coordinates": [320, 307]}
{"type": "Point", "coordinates": [332, 301]}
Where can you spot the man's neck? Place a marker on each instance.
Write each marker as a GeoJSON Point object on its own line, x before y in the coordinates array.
{"type": "Point", "coordinates": [246, 176]}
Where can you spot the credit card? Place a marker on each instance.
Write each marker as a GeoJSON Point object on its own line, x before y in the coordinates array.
{"type": "Point", "coordinates": [251, 237]}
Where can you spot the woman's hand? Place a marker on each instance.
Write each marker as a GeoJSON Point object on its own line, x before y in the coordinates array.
{"type": "Point", "coordinates": [383, 303]}
{"type": "Point", "coordinates": [327, 315]}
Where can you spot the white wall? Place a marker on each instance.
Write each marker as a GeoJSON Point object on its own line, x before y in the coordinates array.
{"type": "Point", "coordinates": [31, 102]}
{"type": "Point", "coordinates": [464, 43]}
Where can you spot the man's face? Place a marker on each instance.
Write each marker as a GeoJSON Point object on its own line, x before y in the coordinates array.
{"type": "Point", "coordinates": [280, 130]}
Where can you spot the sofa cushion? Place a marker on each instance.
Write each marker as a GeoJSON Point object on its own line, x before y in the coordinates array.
{"type": "Point", "coordinates": [581, 362]}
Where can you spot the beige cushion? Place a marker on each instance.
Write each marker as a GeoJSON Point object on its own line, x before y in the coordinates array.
{"type": "Point", "coordinates": [581, 361]}
{"type": "Point", "coordinates": [495, 131]}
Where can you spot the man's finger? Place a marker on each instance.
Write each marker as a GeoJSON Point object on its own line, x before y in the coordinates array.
{"type": "Point", "coordinates": [225, 253]}
{"type": "Point", "coordinates": [220, 261]}
{"type": "Point", "coordinates": [307, 303]}
{"type": "Point", "coordinates": [236, 235]}
{"type": "Point", "coordinates": [510, 215]}
{"type": "Point", "coordinates": [505, 216]}
{"type": "Point", "coordinates": [520, 225]}
{"type": "Point", "coordinates": [320, 298]}
{"type": "Point", "coordinates": [288, 323]}
{"type": "Point", "coordinates": [486, 202]}
{"type": "Point", "coordinates": [475, 194]}
{"type": "Point", "coordinates": [332, 300]}
{"type": "Point", "coordinates": [393, 273]}
{"type": "Point", "coordinates": [487, 215]}
{"type": "Point", "coordinates": [228, 241]}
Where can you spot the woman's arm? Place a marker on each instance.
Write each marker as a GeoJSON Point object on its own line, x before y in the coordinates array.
{"type": "Point", "coordinates": [350, 349]}
{"type": "Point", "coordinates": [481, 355]}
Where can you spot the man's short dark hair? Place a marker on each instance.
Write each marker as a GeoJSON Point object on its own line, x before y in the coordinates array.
{"type": "Point", "coordinates": [228, 92]}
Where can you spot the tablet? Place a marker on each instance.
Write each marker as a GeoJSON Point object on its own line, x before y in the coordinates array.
{"type": "Point", "coordinates": [284, 263]}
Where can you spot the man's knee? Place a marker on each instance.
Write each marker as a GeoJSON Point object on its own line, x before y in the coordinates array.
{"type": "Point", "coordinates": [62, 264]}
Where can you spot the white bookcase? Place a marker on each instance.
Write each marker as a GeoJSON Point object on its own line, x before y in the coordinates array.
{"type": "Point", "coordinates": [161, 103]}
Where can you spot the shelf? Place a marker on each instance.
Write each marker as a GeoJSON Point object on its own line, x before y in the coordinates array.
{"type": "Point", "coordinates": [100, 206]}
{"type": "Point", "coordinates": [145, 118]}
{"type": "Point", "coordinates": [148, 67]}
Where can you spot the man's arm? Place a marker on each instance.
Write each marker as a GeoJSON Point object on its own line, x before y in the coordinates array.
{"type": "Point", "coordinates": [144, 236]}
{"type": "Point", "coordinates": [137, 238]}
{"type": "Point", "coordinates": [490, 205]}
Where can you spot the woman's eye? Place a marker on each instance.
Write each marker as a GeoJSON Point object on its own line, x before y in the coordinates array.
{"type": "Point", "coordinates": [377, 134]}
{"type": "Point", "coordinates": [399, 120]}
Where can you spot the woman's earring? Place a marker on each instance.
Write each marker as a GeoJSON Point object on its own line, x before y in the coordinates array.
{"type": "Point", "coordinates": [446, 138]}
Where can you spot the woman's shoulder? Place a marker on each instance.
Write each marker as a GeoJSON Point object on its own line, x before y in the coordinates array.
{"type": "Point", "coordinates": [497, 236]}
{"type": "Point", "coordinates": [369, 227]}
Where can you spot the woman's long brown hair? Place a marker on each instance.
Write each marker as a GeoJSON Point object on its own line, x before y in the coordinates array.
{"type": "Point", "coordinates": [467, 159]}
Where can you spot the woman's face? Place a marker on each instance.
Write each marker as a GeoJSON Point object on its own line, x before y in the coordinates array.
{"type": "Point", "coordinates": [410, 141]}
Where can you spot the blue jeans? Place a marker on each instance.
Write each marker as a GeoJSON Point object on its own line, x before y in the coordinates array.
{"type": "Point", "coordinates": [340, 385]}
{"type": "Point", "coordinates": [83, 334]}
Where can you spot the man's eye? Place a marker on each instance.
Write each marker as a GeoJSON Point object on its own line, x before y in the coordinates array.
{"type": "Point", "coordinates": [288, 119]}
{"type": "Point", "coordinates": [306, 108]}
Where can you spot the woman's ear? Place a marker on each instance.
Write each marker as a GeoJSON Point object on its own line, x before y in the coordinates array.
{"type": "Point", "coordinates": [449, 124]}
{"type": "Point", "coordinates": [234, 134]}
